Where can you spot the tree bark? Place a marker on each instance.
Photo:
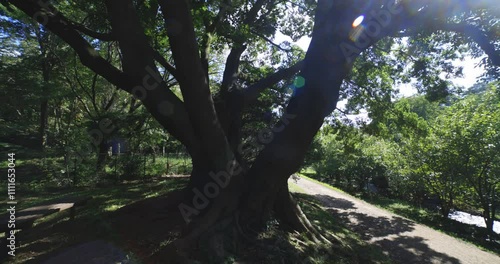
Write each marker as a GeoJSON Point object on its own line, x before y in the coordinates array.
{"type": "Point", "coordinates": [288, 212]}
{"type": "Point", "coordinates": [102, 155]}
{"type": "Point", "coordinates": [489, 217]}
{"type": "Point", "coordinates": [44, 106]}
{"type": "Point", "coordinates": [262, 192]}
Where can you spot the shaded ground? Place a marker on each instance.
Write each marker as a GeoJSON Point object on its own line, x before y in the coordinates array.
{"type": "Point", "coordinates": [100, 220]}
{"type": "Point", "coordinates": [404, 241]}
{"type": "Point", "coordinates": [128, 224]}
{"type": "Point", "coordinates": [94, 252]}
{"type": "Point", "coordinates": [144, 230]}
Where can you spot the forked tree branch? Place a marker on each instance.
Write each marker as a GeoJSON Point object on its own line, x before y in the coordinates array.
{"type": "Point", "coordinates": [176, 122]}
{"type": "Point", "coordinates": [194, 83]}
{"type": "Point", "coordinates": [233, 60]}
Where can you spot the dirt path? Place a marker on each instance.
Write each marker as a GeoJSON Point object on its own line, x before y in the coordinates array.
{"type": "Point", "coordinates": [403, 240]}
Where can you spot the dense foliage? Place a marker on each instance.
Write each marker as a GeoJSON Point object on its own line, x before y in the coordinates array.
{"type": "Point", "coordinates": [421, 152]}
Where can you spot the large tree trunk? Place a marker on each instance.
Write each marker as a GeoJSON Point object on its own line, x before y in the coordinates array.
{"type": "Point", "coordinates": [44, 104]}
{"type": "Point", "coordinates": [254, 197]}
{"type": "Point", "coordinates": [290, 215]}
{"type": "Point", "coordinates": [489, 217]}
{"type": "Point", "coordinates": [42, 132]}
{"type": "Point", "coordinates": [446, 205]}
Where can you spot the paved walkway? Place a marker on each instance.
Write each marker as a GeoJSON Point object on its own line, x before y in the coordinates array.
{"type": "Point", "coordinates": [403, 240]}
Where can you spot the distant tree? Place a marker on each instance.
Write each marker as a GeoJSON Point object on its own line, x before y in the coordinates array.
{"type": "Point", "coordinates": [470, 142]}
{"type": "Point", "coordinates": [397, 121]}
{"type": "Point", "coordinates": [424, 108]}
{"type": "Point", "coordinates": [30, 60]}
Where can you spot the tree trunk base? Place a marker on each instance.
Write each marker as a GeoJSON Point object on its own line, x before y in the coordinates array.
{"type": "Point", "coordinates": [218, 234]}
{"type": "Point", "coordinates": [291, 217]}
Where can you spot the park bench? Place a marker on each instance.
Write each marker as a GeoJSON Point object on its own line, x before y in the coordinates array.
{"type": "Point", "coordinates": [26, 217]}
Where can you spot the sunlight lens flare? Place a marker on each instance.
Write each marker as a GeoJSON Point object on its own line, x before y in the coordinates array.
{"type": "Point", "coordinates": [358, 21]}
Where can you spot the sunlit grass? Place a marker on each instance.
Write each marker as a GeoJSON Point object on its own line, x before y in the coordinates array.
{"type": "Point", "coordinates": [113, 207]}
{"type": "Point", "coordinates": [292, 187]}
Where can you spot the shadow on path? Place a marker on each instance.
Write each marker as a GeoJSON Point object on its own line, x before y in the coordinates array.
{"type": "Point", "coordinates": [337, 203]}
{"type": "Point", "coordinates": [413, 249]}
{"type": "Point", "coordinates": [388, 232]}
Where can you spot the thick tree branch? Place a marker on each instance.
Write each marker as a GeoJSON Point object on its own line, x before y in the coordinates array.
{"type": "Point", "coordinates": [133, 43]}
{"type": "Point", "coordinates": [210, 28]}
{"type": "Point", "coordinates": [239, 46]}
{"type": "Point", "coordinates": [231, 70]}
{"type": "Point", "coordinates": [59, 25]}
{"type": "Point", "coordinates": [252, 92]}
{"type": "Point", "coordinates": [194, 85]}
{"type": "Point", "coordinates": [177, 124]}
{"type": "Point", "coordinates": [138, 62]}
{"type": "Point", "coordinates": [183, 43]}
{"type": "Point", "coordinates": [97, 35]}
{"type": "Point", "coordinates": [270, 41]}
{"type": "Point", "coordinates": [169, 67]}
{"type": "Point", "coordinates": [474, 33]}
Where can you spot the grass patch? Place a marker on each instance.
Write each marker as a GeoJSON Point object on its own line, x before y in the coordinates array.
{"type": "Point", "coordinates": [292, 187]}
{"type": "Point", "coordinates": [56, 232]}
{"type": "Point", "coordinates": [104, 197]}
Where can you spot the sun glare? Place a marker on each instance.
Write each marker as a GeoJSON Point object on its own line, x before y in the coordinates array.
{"type": "Point", "coordinates": [358, 21]}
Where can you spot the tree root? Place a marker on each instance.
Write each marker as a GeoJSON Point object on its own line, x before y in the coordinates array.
{"type": "Point", "coordinates": [225, 224]}
{"type": "Point", "coordinates": [290, 215]}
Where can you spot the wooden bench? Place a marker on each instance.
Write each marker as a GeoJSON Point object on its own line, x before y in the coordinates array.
{"type": "Point", "coordinates": [25, 218]}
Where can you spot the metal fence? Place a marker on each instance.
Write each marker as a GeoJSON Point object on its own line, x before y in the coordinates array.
{"type": "Point", "coordinates": [134, 165]}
